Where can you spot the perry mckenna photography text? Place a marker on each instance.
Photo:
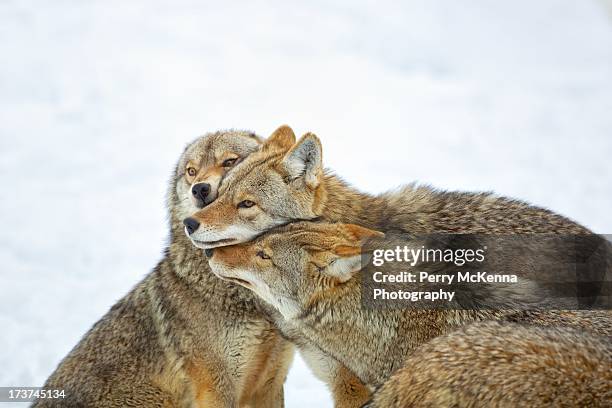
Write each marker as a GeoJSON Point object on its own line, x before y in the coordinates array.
{"type": "Point", "coordinates": [485, 271]}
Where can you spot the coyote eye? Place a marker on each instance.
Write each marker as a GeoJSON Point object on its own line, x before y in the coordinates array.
{"type": "Point", "coordinates": [262, 255]}
{"type": "Point", "coordinates": [229, 162]}
{"type": "Point", "coordinates": [191, 171]}
{"type": "Point", "coordinates": [246, 204]}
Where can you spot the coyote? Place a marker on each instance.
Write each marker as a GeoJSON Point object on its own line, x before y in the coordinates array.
{"type": "Point", "coordinates": [309, 273]}
{"type": "Point", "coordinates": [285, 181]}
{"type": "Point", "coordinates": [492, 364]}
{"type": "Point", "coordinates": [182, 337]}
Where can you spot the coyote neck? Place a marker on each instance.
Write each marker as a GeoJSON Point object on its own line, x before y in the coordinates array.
{"type": "Point", "coordinates": [340, 202]}
{"type": "Point", "coordinates": [364, 332]}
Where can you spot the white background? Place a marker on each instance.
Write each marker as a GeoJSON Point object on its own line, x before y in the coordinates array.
{"type": "Point", "coordinates": [98, 99]}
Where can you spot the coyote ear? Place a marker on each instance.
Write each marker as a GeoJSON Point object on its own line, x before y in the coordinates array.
{"type": "Point", "coordinates": [344, 267]}
{"type": "Point", "coordinates": [352, 255]}
{"type": "Point", "coordinates": [282, 138]}
{"type": "Point", "coordinates": [305, 160]}
{"type": "Point", "coordinates": [360, 234]}
{"type": "Point", "coordinates": [260, 140]}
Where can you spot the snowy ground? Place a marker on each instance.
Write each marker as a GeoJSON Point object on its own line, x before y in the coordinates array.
{"type": "Point", "coordinates": [97, 99]}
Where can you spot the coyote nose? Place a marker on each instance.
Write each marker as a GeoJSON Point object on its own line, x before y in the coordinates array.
{"type": "Point", "coordinates": [191, 224]}
{"type": "Point", "coordinates": [200, 190]}
{"type": "Point", "coordinates": [208, 252]}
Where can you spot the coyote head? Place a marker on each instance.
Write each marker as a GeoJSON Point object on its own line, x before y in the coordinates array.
{"type": "Point", "coordinates": [203, 165]}
{"type": "Point", "coordinates": [290, 266]}
{"type": "Point", "coordinates": [276, 185]}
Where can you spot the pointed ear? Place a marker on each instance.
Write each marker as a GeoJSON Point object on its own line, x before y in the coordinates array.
{"type": "Point", "coordinates": [344, 268]}
{"type": "Point", "coordinates": [361, 234]}
{"type": "Point", "coordinates": [354, 253]}
{"type": "Point", "coordinates": [305, 159]}
{"type": "Point", "coordinates": [282, 138]}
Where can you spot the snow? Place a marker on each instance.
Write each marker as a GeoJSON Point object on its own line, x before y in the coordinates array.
{"type": "Point", "coordinates": [98, 98]}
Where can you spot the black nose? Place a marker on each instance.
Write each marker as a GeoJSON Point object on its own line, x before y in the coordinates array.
{"type": "Point", "coordinates": [191, 224]}
{"type": "Point", "coordinates": [200, 190]}
{"type": "Point", "coordinates": [208, 252]}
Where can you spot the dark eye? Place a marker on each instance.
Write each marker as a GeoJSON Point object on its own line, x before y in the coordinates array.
{"type": "Point", "coordinates": [191, 171]}
{"type": "Point", "coordinates": [262, 255]}
{"type": "Point", "coordinates": [229, 162]}
{"type": "Point", "coordinates": [246, 204]}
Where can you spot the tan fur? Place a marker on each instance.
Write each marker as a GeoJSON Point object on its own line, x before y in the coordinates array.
{"type": "Point", "coordinates": [298, 270]}
{"type": "Point", "coordinates": [286, 181]}
{"type": "Point", "coordinates": [204, 387]}
{"type": "Point", "coordinates": [282, 138]}
{"type": "Point", "coordinates": [504, 365]}
{"type": "Point", "coordinates": [181, 337]}
{"type": "Point", "coordinates": [348, 390]}
{"type": "Point", "coordinates": [283, 191]}
{"type": "Point", "coordinates": [237, 256]}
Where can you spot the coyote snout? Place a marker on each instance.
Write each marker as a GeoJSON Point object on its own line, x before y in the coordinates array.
{"type": "Point", "coordinates": [206, 236]}
{"type": "Point", "coordinates": [191, 225]}
{"type": "Point", "coordinates": [201, 194]}
{"type": "Point", "coordinates": [227, 261]}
